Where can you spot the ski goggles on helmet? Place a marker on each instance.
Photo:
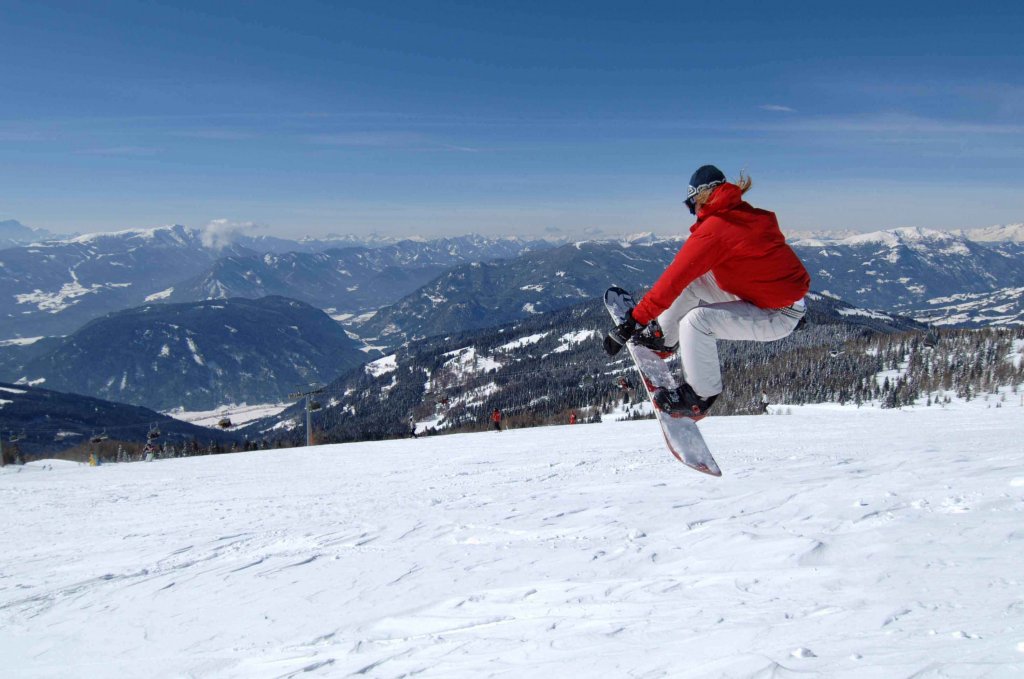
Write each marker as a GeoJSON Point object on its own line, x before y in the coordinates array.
{"type": "Point", "coordinates": [693, 191]}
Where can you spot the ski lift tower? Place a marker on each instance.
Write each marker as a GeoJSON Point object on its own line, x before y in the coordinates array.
{"type": "Point", "coordinates": [310, 406]}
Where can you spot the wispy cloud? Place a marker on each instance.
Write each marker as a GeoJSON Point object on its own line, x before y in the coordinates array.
{"type": "Point", "coordinates": [777, 108]}
{"type": "Point", "coordinates": [21, 135]}
{"type": "Point", "coordinates": [20, 130]}
{"type": "Point", "coordinates": [389, 139]}
{"type": "Point", "coordinates": [215, 134]}
{"type": "Point", "coordinates": [123, 151]}
{"type": "Point", "coordinates": [1005, 96]}
{"type": "Point", "coordinates": [899, 123]}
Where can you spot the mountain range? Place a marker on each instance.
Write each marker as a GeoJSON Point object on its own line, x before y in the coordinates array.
{"type": "Point", "coordinates": [13, 233]}
{"type": "Point", "coordinates": [349, 280]}
{"type": "Point", "coordinates": [198, 355]}
{"type": "Point", "coordinates": [480, 295]}
{"type": "Point", "coordinates": [54, 287]}
{"type": "Point", "coordinates": [941, 277]}
{"type": "Point", "coordinates": [159, 317]}
{"type": "Point", "coordinates": [912, 272]}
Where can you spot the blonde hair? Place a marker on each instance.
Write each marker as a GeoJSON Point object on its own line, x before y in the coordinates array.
{"type": "Point", "coordinates": [744, 182]}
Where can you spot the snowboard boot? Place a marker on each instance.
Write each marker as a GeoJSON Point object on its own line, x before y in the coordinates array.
{"type": "Point", "coordinates": [682, 401]}
{"type": "Point", "coordinates": [653, 337]}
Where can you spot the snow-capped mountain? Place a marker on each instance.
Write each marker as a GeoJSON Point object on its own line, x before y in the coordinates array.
{"type": "Point", "coordinates": [909, 272]}
{"type": "Point", "coordinates": [1007, 239]}
{"type": "Point", "coordinates": [13, 233]}
{"type": "Point", "coordinates": [53, 287]}
{"type": "Point", "coordinates": [443, 285]}
{"type": "Point", "coordinates": [999, 233]}
{"type": "Point", "coordinates": [480, 295]}
{"type": "Point", "coordinates": [904, 270]}
{"type": "Point", "coordinates": [346, 280]}
{"type": "Point", "coordinates": [470, 247]}
{"type": "Point", "coordinates": [199, 355]}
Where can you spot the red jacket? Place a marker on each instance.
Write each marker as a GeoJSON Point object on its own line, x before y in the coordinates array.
{"type": "Point", "coordinates": [744, 249]}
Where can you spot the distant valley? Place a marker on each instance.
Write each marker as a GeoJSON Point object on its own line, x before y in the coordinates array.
{"type": "Point", "coordinates": [162, 318]}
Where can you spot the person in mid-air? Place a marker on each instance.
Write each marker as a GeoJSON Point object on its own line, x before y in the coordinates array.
{"type": "Point", "coordinates": [735, 278]}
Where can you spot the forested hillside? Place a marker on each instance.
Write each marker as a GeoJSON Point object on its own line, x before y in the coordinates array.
{"type": "Point", "coordinates": [538, 371]}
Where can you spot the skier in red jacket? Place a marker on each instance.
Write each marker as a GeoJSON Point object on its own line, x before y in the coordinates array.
{"type": "Point", "coordinates": [735, 278]}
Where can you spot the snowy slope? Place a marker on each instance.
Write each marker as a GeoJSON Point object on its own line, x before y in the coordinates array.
{"type": "Point", "coordinates": [840, 543]}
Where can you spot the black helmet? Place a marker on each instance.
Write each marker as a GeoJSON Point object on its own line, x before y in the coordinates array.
{"type": "Point", "coordinates": [706, 177]}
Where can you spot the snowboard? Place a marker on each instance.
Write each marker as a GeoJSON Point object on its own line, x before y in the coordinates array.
{"type": "Point", "coordinates": [681, 433]}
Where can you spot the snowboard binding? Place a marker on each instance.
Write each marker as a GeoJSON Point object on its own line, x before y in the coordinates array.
{"type": "Point", "coordinates": [682, 401]}
{"type": "Point", "coordinates": [653, 337]}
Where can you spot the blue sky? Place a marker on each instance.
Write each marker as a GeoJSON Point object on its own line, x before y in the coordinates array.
{"type": "Point", "coordinates": [436, 118]}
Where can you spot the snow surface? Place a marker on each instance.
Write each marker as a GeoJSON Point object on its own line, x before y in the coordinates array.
{"type": "Point", "coordinates": [571, 339]}
{"type": "Point", "coordinates": [1013, 233]}
{"type": "Point", "coordinates": [522, 342]}
{"type": "Point", "coordinates": [19, 341]}
{"type": "Point", "coordinates": [864, 312]}
{"type": "Point", "coordinates": [239, 413]}
{"type": "Point", "coordinates": [469, 361]}
{"type": "Point", "coordinates": [382, 366]}
{"type": "Point", "coordinates": [163, 294]}
{"type": "Point", "coordinates": [68, 295]}
{"type": "Point", "coordinates": [841, 542]}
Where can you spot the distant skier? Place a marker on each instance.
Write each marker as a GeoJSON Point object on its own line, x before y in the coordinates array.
{"type": "Point", "coordinates": [572, 417]}
{"type": "Point", "coordinates": [412, 427]}
{"type": "Point", "coordinates": [496, 419]}
{"type": "Point", "coordinates": [764, 403]}
{"type": "Point", "coordinates": [625, 388]}
{"type": "Point", "coordinates": [735, 278]}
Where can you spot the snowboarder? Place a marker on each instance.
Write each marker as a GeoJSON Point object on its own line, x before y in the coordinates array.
{"type": "Point", "coordinates": [412, 427]}
{"type": "Point", "coordinates": [764, 403]}
{"type": "Point", "coordinates": [496, 419]}
{"type": "Point", "coordinates": [735, 278]}
{"type": "Point", "coordinates": [572, 417]}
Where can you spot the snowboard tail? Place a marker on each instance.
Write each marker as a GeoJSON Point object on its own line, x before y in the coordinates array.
{"type": "Point", "coordinates": [657, 370]}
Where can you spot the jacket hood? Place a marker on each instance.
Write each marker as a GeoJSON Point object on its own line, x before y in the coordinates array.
{"type": "Point", "coordinates": [724, 197]}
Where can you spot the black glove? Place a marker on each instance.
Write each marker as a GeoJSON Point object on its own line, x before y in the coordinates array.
{"type": "Point", "coordinates": [618, 337]}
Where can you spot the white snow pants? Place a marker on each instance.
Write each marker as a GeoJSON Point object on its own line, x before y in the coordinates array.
{"type": "Point", "coordinates": [703, 314]}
